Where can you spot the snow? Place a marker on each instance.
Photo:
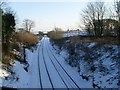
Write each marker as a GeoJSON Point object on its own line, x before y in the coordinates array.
{"type": "Point", "coordinates": [75, 75]}
{"type": "Point", "coordinates": [55, 78]}
{"type": "Point", "coordinates": [56, 73]}
{"type": "Point", "coordinates": [74, 33]}
{"type": "Point", "coordinates": [3, 74]}
{"type": "Point", "coordinates": [19, 72]}
{"type": "Point", "coordinates": [33, 72]}
{"type": "Point", "coordinates": [48, 69]}
{"type": "Point", "coordinates": [25, 78]}
{"type": "Point", "coordinates": [108, 78]}
{"type": "Point", "coordinates": [91, 44]}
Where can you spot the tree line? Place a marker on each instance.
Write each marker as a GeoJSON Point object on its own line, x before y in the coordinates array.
{"type": "Point", "coordinates": [99, 22]}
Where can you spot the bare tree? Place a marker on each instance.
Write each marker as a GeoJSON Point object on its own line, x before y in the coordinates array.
{"type": "Point", "coordinates": [28, 24]}
{"type": "Point", "coordinates": [2, 3]}
{"type": "Point", "coordinates": [89, 16]}
{"type": "Point", "coordinates": [100, 11]}
{"type": "Point", "coordinates": [93, 16]}
{"type": "Point", "coordinates": [57, 29]}
{"type": "Point", "coordinates": [117, 9]}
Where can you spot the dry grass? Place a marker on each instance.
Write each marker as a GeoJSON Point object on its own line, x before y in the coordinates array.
{"type": "Point", "coordinates": [104, 39]}
{"type": "Point", "coordinates": [23, 37]}
{"type": "Point", "coordinates": [55, 34]}
{"type": "Point", "coordinates": [26, 38]}
{"type": "Point", "coordinates": [74, 39]}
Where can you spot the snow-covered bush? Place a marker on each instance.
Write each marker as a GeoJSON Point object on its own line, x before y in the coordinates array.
{"type": "Point", "coordinates": [71, 45]}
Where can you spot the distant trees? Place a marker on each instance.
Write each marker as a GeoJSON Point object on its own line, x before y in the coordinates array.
{"type": "Point", "coordinates": [110, 27]}
{"type": "Point", "coordinates": [14, 43]}
{"type": "Point", "coordinates": [2, 3]}
{"type": "Point", "coordinates": [97, 23]}
{"type": "Point", "coordinates": [93, 16]}
{"type": "Point", "coordinates": [57, 33]}
{"type": "Point", "coordinates": [28, 24]}
{"type": "Point", "coordinates": [57, 29]}
{"type": "Point", "coordinates": [41, 33]}
{"type": "Point", "coordinates": [117, 10]}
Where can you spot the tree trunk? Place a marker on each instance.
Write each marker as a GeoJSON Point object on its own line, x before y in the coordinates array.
{"type": "Point", "coordinates": [24, 53]}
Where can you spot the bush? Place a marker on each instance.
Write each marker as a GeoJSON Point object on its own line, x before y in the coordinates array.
{"type": "Point", "coordinates": [55, 34]}
{"type": "Point", "coordinates": [0, 52]}
{"type": "Point", "coordinates": [74, 39]}
{"type": "Point", "coordinates": [12, 49]}
{"type": "Point", "coordinates": [102, 39]}
{"type": "Point", "coordinates": [26, 38]}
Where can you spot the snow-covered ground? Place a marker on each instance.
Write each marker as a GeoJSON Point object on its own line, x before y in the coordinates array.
{"type": "Point", "coordinates": [106, 73]}
{"type": "Point", "coordinates": [74, 33]}
{"type": "Point", "coordinates": [21, 78]}
{"type": "Point", "coordinates": [46, 69]}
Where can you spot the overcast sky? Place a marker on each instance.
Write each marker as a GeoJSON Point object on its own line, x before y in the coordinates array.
{"type": "Point", "coordinates": [47, 15]}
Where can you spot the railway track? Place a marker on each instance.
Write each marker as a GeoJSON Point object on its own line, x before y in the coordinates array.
{"type": "Point", "coordinates": [62, 68]}
{"type": "Point", "coordinates": [51, 73]}
{"type": "Point", "coordinates": [46, 67]}
{"type": "Point", "coordinates": [39, 67]}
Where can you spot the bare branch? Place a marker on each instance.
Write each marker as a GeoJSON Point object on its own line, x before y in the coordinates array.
{"type": "Point", "coordinates": [28, 24]}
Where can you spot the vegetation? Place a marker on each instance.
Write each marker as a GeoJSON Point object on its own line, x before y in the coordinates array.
{"type": "Point", "coordinates": [0, 52]}
{"type": "Point", "coordinates": [26, 38]}
{"type": "Point", "coordinates": [28, 24]}
{"type": "Point", "coordinates": [56, 36]}
{"type": "Point", "coordinates": [93, 17]}
{"type": "Point", "coordinates": [117, 10]}
{"type": "Point", "coordinates": [97, 22]}
{"type": "Point", "coordinates": [14, 43]}
{"type": "Point", "coordinates": [57, 33]}
{"type": "Point", "coordinates": [8, 28]}
{"type": "Point", "coordinates": [0, 34]}
{"type": "Point", "coordinates": [23, 40]}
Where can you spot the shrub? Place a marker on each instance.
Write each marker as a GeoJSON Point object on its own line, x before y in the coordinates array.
{"type": "Point", "coordinates": [26, 38]}
{"type": "Point", "coordinates": [101, 39]}
{"type": "Point", "coordinates": [56, 34]}
{"type": "Point", "coordinates": [74, 39]}
{"type": "Point", "coordinates": [0, 52]}
{"type": "Point", "coordinates": [11, 49]}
